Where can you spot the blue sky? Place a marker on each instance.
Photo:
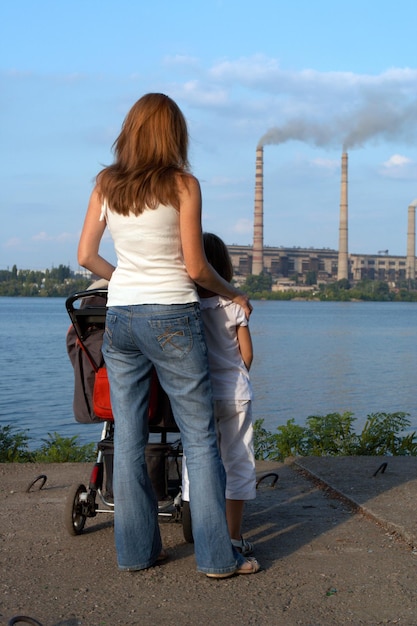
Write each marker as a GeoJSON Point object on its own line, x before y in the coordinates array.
{"type": "Point", "coordinates": [304, 77]}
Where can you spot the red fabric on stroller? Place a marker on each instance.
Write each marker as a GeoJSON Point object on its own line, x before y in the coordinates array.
{"type": "Point", "coordinates": [87, 360]}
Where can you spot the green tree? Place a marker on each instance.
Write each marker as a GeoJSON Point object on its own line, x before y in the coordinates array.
{"type": "Point", "coordinates": [60, 273]}
{"type": "Point", "coordinates": [311, 278]}
{"type": "Point", "coordinates": [257, 283]}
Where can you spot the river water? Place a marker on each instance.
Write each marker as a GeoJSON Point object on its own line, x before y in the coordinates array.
{"type": "Point", "coordinates": [311, 358]}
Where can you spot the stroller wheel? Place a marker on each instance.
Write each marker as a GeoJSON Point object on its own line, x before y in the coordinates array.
{"type": "Point", "coordinates": [74, 518]}
{"type": "Point", "coordinates": [186, 522]}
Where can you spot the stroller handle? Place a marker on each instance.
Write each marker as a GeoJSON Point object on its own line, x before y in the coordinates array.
{"type": "Point", "coordinates": [87, 315]}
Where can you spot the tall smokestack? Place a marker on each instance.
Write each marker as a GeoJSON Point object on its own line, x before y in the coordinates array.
{"type": "Point", "coordinates": [258, 224]}
{"type": "Point", "coordinates": [342, 264]}
{"type": "Point", "coordinates": [411, 243]}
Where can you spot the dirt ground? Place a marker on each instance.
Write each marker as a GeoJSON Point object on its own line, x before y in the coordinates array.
{"type": "Point", "coordinates": [322, 563]}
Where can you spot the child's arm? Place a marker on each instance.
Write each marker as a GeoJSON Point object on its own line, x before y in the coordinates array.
{"type": "Point", "coordinates": [245, 345]}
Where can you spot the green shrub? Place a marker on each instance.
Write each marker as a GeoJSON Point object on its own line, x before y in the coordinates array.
{"type": "Point", "coordinates": [290, 441]}
{"type": "Point", "coordinates": [59, 449]}
{"type": "Point", "coordinates": [55, 449]}
{"type": "Point", "coordinates": [14, 446]}
{"type": "Point", "coordinates": [381, 436]}
{"type": "Point", "coordinates": [263, 441]}
{"type": "Point", "coordinates": [331, 435]}
{"type": "Point", "coordinates": [334, 435]}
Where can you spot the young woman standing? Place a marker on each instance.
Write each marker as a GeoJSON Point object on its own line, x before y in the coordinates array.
{"type": "Point", "coordinates": [151, 205]}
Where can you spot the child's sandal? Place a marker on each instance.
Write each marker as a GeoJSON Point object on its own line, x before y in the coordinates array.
{"type": "Point", "coordinates": [243, 546]}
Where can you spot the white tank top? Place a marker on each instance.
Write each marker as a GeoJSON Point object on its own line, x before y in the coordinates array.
{"type": "Point", "coordinates": [150, 264]}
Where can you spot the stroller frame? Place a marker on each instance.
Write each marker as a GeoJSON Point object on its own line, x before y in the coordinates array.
{"type": "Point", "coordinates": [87, 312]}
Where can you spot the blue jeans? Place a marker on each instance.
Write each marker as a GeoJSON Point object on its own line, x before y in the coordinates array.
{"type": "Point", "coordinates": [172, 339]}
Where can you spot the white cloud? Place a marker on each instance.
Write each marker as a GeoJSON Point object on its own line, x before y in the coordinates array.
{"type": "Point", "coordinates": [243, 226]}
{"type": "Point", "coordinates": [247, 70]}
{"type": "Point", "coordinates": [325, 109]}
{"type": "Point", "coordinates": [42, 236]}
{"type": "Point", "coordinates": [181, 60]}
{"type": "Point", "coordinates": [61, 237]}
{"type": "Point", "coordinates": [14, 242]}
{"type": "Point", "coordinates": [400, 167]}
{"type": "Point", "coordinates": [396, 160]}
{"type": "Point", "coordinates": [225, 181]}
{"type": "Point", "coordinates": [197, 93]}
{"type": "Point", "coordinates": [64, 237]}
{"type": "Point", "coordinates": [260, 71]}
{"type": "Point", "coordinates": [328, 164]}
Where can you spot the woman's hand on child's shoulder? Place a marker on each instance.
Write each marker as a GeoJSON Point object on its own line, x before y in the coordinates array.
{"type": "Point", "coordinates": [243, 300]}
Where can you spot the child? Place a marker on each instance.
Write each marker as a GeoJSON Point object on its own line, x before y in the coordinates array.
{"type": "Point", "coordinates": [230, 356]}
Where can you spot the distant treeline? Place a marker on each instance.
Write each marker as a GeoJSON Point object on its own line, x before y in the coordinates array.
{"type": "Point", "coordinates": [260, 288]}
{"type": "Point", "coordinates": [61, 282]}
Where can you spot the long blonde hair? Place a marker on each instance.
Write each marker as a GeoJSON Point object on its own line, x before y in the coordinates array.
{"type": "Point", "coordinates": [151, 153]}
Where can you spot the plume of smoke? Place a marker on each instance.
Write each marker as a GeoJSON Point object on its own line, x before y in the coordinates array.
{"type": "Point", "coordinates": [308, 132]}
{"type": "Point", "coordinates": [375, 121]}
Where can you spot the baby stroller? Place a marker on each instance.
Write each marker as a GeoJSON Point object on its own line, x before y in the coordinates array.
{"type": "Point", "coordinates": [91, 403]}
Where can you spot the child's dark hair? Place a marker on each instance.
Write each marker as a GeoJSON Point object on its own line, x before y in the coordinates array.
{"type": "Point", "coordinates": [218, 255]}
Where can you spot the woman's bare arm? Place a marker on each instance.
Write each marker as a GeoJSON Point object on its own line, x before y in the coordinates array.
{"type": "Point", "coordinates": [91, 235]}
{"type": "Point", "coordinates": [198, 268]}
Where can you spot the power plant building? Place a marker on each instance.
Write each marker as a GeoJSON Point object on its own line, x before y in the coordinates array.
{"type": "Point", "coordinates": [328, 265]}
{"type": "Point", "coordinates": [289, 262]}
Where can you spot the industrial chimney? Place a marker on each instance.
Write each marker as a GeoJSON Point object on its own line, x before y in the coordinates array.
{"type": "Point", "coordinates": [411, 242]}
{"type": "Point", "coordinates": [343, 263]}
{"type": "Point", "coordinates": [258, 224]}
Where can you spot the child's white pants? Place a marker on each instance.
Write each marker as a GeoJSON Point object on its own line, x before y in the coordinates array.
{"type": "Point", "coordinates": [235, 438]}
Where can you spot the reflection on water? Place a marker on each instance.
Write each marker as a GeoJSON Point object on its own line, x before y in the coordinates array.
{"type": "Point", "coordinates": [311, 358]}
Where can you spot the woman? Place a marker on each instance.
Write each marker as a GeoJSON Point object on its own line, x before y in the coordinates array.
{"type": "Point", "coordinates": [152, 206]}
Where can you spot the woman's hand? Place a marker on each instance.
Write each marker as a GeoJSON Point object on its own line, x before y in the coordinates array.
{"type": "Point", "coordinates": [243, 300]}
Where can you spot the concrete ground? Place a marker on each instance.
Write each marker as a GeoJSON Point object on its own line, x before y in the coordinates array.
{"type": "Point", "coordinates": [336, 538]}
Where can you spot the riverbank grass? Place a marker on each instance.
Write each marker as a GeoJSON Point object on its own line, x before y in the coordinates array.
{"type": "Point", "coordinates": [384, 434]}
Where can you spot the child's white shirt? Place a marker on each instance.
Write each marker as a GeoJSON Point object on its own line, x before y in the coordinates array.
{"type": "Point", "coordinates": [229, 375]}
